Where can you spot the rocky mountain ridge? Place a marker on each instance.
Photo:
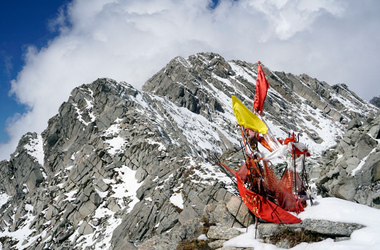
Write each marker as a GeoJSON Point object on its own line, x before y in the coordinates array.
{"type": "Point", "coordinates": [117, 166]}
{"type": "Point", "coordinates": [375, 101]}
{"type": "Point", "coordinates": [351, 169]}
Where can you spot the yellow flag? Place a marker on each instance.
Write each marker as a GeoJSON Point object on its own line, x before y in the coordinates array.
{"type": "Point", "coordinates": [246, 118]}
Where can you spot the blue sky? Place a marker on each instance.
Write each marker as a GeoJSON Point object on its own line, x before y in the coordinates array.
{"type": "Point", "coordinates": [22, 23]}
{"type": "Point", "coordinates": [49, 47]}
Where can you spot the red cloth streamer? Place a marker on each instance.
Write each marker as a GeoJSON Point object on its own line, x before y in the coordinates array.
{"type": "Point", "coordinates": [262, 86]}
{"type": "Point", "coordinates": [299, 152]}
{"type": "Point", "coordinates": [263, 208]}
{"type": "Point", "coordinates": [290, 139]}
{"type": "Point", "coordinates": [283, 188]}
{"type": "Point", "coordinates": [287, 140]}
{"type": "Point", "coordinates": [286, 199]}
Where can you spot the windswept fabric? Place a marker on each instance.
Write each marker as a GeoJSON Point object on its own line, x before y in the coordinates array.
{"type": "Point", "coordinates": [262, 86]}
{"type": "Point", "coordinates": [263, 208]}
{"type": "Point", "coordinates": [246, 118]}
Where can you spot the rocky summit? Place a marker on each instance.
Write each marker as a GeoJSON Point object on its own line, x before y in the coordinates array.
{"type": "Point", "coordinates": [121, 168]}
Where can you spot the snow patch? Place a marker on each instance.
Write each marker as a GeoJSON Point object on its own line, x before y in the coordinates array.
{"type": "Point", "coordinates": [115, 145]}
{"type": "Point", "coordinates": [361, 163]}
{"type": "Point", "coordinates": [4, 198]}
{"type": "Point", "coordinates": [161, 145]}
{"type": "Point", "coordinates": [127, 187]}
{"type": "Point", "coordinates": [176, 200]}
{"type": "Point", "coordinates": [35, 149]}
{"type": "Point", "coordinates": [23, 233]}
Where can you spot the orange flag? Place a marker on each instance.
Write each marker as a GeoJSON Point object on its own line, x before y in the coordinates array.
{"type": "Point", "coordinates": [262, 86]}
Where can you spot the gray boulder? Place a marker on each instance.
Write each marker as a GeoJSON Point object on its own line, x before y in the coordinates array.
{"type": "Point", "coordinates": [222, 233]}
{"type": "Point", "coordinates": [330, 228]}
{"type": "Point", "coordinates": [354, 176]}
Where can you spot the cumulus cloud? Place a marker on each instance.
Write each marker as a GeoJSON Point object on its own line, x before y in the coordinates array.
{"type": "Point", "coordinates": [286, 18]}
{"type": "Point", "coordinates": [130, 40]}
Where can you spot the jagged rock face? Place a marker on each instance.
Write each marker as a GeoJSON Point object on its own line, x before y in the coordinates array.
{"type": "Point", "coordinates": [114, 158]}
{"type": "Point", "coordinates": [117, 166]}
{"type": "Point", "coordinates": [352, 169]}
{"type": "Point", "coordinates": [203, 83]}
{"type": "Point", "coordinates": [375, 101]}
{"type": "Point", "coordinates": [15, 179]}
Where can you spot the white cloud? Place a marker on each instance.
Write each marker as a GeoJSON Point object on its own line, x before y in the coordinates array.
{"type": "Point", "coordinates": [287, 17]}
{"type": "Point", "coordinates": [130, 40]}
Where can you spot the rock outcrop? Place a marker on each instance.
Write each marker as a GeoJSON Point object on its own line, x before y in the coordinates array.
{"type": "Point", "coordinates": [375, 101]}
{"type": "Point", "coordinates": [351, 169]}
{"type": "Point", "coordinates": [288, 235]}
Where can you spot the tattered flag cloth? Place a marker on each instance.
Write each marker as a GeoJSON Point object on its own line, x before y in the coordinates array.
{"type": "Point", "coordinates": [262, 86]}
{"type": "Point", "coordinates": [286, 199]}
{"type": "Point", "coordinates": [263, 208]}
{"type": "Point", "coordinates": [246, 118]}
{"type": "Point", "coordinates": [300, 149]}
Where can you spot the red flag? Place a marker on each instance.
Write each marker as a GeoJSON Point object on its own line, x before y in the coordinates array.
{"type": "Point", "coordinates": [290, 139]}
{"type": "Point", "coordinates": [263, 208]}
{"type": "Point", "coordinates": [262, 86]}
